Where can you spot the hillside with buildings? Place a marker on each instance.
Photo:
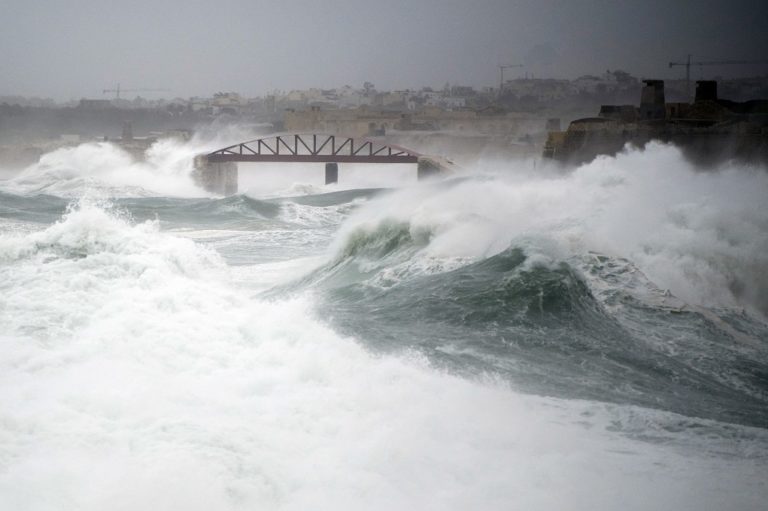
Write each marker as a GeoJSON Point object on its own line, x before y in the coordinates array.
{"type": "Point", "coordinates": [513, 119]}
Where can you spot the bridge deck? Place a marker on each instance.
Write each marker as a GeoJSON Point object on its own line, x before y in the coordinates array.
{"type": "Point", "coordinates": [305, 158]}
{"type": "Point", "coordinates": [314, 148]}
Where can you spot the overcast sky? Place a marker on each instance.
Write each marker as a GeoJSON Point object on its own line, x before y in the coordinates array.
{"type": "Point", "coordinates": [73, 49]}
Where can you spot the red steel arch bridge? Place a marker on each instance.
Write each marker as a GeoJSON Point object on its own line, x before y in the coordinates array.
{"type": "Point", "coordinates": [217, 171]}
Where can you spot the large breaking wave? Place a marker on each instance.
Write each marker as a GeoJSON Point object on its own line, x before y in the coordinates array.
{"type": "Point", "coordinates": [595, 340]}
{"type": "Point", "coordinates": [634, 280]}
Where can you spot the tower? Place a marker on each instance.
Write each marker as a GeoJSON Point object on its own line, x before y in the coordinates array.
{"type": "Point", "coordinates": [652, 100]}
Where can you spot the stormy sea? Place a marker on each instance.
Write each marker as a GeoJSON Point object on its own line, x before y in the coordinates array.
{"type": "Point", "coordinates": [507, 338]}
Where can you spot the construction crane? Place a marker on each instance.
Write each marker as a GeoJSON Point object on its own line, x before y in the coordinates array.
{"type": "Point", "coordinates": [118, 90]}
{"type": "Point", "coordinates": [688, 65]}
{"type": "Point", "coordinates": [501, 75]}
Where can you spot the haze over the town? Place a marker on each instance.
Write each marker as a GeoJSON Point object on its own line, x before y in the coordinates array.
{"type": "Point", "coordinates": [68, 50]}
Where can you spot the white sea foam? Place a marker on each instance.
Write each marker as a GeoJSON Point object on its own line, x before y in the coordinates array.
{"type": "Point", "coordinates": [302, 214]}
{"type": "Point", "coordinates": [702, 235]}
{"type": "Point", "coordinates": [106, 169]}
{"type": "Point", "coordinates": [135, 374]}
{"type": "Point", "coordinates": [136, 371]}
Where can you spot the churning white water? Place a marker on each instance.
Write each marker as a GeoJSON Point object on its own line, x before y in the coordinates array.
{"type": "Point", "coordinates": [141, 369]}
{"type": "Point", "coordinates": [703, 235]}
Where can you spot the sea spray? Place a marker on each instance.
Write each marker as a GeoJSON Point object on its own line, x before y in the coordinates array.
{"type": "Point", "coordinates": [702, 235]}
{"type": "Point", "coordinates": [554, 282]}
{"type": "Point", "coordinates": [145, 378]}
{"type": "Point", "coordinates": [138, 367]}
{"type": "Point", "coordinates": [164, 170]}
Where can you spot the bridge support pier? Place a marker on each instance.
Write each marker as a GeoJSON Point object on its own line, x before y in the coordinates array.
{"type": "Point", "coordinates": [427, 168]}
{"type": "Point", "coordinates": [331, 173]}
{"type": "Point", "coordinates": [217, 177]}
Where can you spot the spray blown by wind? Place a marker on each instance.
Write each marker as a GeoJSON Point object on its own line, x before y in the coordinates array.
{"type": "Point", "coordinates": [595, 339]}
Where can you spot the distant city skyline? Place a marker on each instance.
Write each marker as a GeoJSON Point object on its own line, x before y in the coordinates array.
{"type": "Point", "coordinates": [193, 48]}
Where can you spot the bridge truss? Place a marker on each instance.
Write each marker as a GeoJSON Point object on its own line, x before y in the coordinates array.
{"type": "Point", "coordinates": [313, 148]}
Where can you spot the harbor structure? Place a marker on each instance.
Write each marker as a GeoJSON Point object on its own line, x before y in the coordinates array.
{"type": "Point", "coordinates": [708, 130]}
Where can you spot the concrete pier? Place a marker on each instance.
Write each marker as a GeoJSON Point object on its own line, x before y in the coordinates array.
{"type": "Point", "coordinates": [428, 168]}
{"type": "Point", "coordinates": [218, 178]}
{"type": "Point", "coordinates": [331, 173]}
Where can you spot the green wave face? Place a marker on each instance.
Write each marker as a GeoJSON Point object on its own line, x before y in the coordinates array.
{"type": "Point", "coordinates": [546, 330]}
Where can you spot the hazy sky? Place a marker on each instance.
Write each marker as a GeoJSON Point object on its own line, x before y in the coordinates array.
{"type": "Point", "coordinates": [72, 49]}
